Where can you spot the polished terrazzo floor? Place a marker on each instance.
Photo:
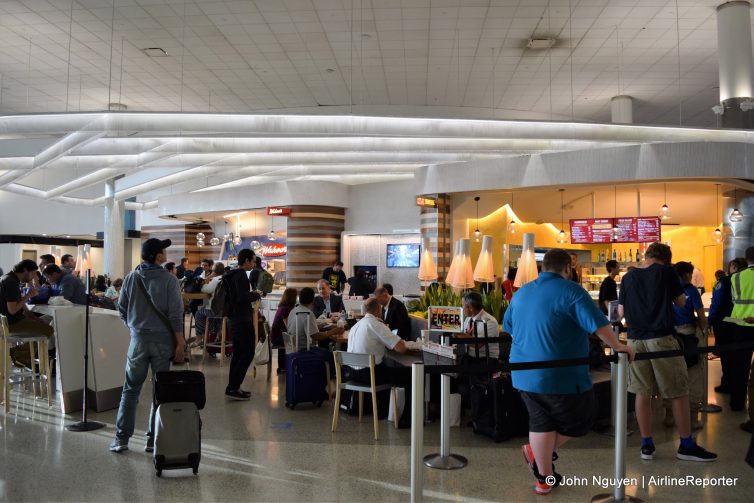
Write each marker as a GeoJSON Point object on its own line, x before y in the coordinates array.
{"type": "Point", "coordinates": [261, 451]}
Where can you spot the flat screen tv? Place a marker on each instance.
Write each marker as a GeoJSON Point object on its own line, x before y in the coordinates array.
{"type": "Point", "coordinates": [403, 255]}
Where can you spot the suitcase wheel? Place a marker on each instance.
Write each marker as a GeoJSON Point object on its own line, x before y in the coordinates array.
{"type": "Point", "coordinates": [159, 472]}
{"type": "Point", "coordinates": [196, 469]}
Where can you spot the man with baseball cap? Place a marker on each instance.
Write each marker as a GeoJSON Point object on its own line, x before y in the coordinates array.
{"type": "Point", "coordinates": [150, 305]}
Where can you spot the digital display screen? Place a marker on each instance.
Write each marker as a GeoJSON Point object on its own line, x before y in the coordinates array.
{"type": "Point", "coordinates": [403, 255]}
{"type": "Point", "coordinates": [630, 230]}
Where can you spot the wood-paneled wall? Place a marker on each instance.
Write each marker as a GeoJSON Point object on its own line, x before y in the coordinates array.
{"type": "Point", "coordinates": [183, 237]}
{"type": "Point", "coordinates": [313, 242]}
{"type": "Point", "coordinates": [435, 224]}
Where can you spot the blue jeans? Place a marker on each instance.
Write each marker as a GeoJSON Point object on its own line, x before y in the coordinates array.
{"type": "Point", "coordinates": [141, 356]}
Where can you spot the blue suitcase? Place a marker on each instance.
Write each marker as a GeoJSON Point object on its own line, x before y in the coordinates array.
{"type": "Point", "coordinates": [306, 379]}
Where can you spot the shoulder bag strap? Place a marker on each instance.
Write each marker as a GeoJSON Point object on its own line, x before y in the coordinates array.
{"type": "Point", "coordinates": [151, 303]}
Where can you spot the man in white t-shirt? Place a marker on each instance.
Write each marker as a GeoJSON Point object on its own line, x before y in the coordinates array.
{"type": "Point", "coordinates": [372, 336]}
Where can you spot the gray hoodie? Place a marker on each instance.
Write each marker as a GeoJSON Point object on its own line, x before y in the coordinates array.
{"type": "Point", "coordinates": [136, 312]}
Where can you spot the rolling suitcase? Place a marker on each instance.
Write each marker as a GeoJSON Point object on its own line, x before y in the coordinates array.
{"type": "Point", "coordinates": [497, 409]}
{"type": "Point", "coordinates": [177, 437]}
{"type": "Point", "coordinates": [178, 396]}
{"type": "Point", "coordinates": [306, 379]}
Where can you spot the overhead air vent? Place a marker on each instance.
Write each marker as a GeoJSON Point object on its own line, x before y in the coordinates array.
{"type": "Point", "coordinates": [155, 52]}
{"type": "Point", "coordinates": [539, 43]}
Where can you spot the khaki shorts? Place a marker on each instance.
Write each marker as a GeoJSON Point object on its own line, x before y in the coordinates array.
{"type": "Point", "coordinates": [666, 377]}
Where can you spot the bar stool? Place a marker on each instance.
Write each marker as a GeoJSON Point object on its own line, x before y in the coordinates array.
{"type": "Point", "coordinates": [36, 374]}
{"type": "Point", "coordinates": [223, 344]}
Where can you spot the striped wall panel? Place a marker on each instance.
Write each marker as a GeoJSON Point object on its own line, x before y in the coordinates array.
{"type": "Point", "coordinates": [435, 225]}
{"type": "Point", "coordinates": [313, 238]}
{"type": "Point", "coordinates": [183, 237]}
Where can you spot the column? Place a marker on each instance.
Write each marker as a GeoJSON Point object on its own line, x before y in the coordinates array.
{"type": "Point", "coordinates": [435, 226]}
{"type": "Point", "coordinates": [313, 240]}
{"type": "Point", "coordinates": [734, 62]}
{"type": "Point", "coordinates": [738, 235]}
{"type": "Point", "coordinates": [621, 109]}
{"type": "Point", "coordinates": [114, 236]}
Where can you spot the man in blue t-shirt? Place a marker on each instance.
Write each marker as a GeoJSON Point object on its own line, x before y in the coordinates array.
{"type": "Point", "coordinates": [551, 319]}
{"type": "Point", "coordinates": [647, 295]}
{"type": "Point", "coordinates": [691, 322]}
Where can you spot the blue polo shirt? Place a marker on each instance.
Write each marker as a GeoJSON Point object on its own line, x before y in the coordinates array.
{"type": "Point", "coordinates": [551, 319]}
{"type": "Point", "coordinates": [686, 315]}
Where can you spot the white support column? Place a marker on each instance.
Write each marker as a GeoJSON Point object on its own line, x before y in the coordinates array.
{"type": "Point", "coordinates": [621, 109]}
{"type": "Point", "coordinates": [114, 234]}
{"type": "Point", "coordinates": [734, 62]}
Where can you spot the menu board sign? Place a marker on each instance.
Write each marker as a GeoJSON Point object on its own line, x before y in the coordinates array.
{"type": "Point", "coordinates": [630, 230]}
{"type": "Point", "coordinates": [649, 229]}
{"type": "Point", "coordinates": [591, 230]}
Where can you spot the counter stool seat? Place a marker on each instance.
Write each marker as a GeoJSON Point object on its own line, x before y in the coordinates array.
{"type": "Point", "coordinates": [40, 365]}
{"type": "Point", "coordinates": [223, 344]}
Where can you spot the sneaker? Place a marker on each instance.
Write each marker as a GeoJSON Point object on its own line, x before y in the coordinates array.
{"type": "Point", "coordinates": [119, 445]}
{"type": "Point", "coordinates": [237, 395]}
{"type": "Point", "coordinates": [648, 452]}
{"type": "Point", "coordinates": [696, 453]}
{"type": "Point", "coordinates": [546, 484]}
{"type": "Point", "coordinates": [247, 393]}
{"type": "Point", "coordinates": [748, 426]}
{"type": "Point", "coordinates": [150, 444]}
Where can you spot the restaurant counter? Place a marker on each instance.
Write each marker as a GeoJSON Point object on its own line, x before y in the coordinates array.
{"type": "Point", "coordinates": [108, 346]}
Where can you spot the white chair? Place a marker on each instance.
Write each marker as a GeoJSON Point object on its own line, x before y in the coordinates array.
{"type": "Point", "coordinates": [358, 360]}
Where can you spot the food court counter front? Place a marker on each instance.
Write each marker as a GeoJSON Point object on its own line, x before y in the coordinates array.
{"type": "Point", "coordinates": [108, 346]}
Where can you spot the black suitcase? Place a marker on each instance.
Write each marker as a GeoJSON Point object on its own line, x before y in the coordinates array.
{"type": "Point", "coordinates": [497, 409]}
{"type": "Point", "coordinates": [180, 386]}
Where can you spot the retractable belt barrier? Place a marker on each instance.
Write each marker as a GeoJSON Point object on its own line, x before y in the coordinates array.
{"type": "Point", "coordinates": [619, 359]}
{"type": "Point", "coordinates": [481, 368]}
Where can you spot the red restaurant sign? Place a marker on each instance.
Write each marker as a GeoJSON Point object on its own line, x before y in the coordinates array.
{"type": "Point", "coordinates": [277, 211]}
{"type": "Point", "coordinates": [273, 250]}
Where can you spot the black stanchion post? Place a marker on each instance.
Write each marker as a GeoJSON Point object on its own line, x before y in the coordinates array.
{"type": "Point", "coordinates": [621, 413]}
{"type": "Point", "coordinates": [417, 431]}
{"type": "Point", "coordinates": [707, 408]}
{"type": "Point", "coordinates": [85, 425]}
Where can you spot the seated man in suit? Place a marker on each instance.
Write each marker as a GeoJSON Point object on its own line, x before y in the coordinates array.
{"type": "Point", "coordinates": [394, 311]}
{"type": "Point", "coordinates": [326, 302]}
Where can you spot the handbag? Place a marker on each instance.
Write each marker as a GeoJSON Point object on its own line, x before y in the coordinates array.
{"type": "Point", "coordinates": [262, 353]}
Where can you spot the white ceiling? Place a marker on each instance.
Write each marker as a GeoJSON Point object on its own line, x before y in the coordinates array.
{"type": "Point", "coordinates": [344, 59]}
{"type": "Point", "coordinates": [245, 56]}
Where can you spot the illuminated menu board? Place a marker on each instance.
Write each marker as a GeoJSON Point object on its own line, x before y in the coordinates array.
{"type": "Point", "coordinates": [630, 230]}
{"type": "Point", "coordinates": [591, 230]}
{"type": "Point", "coordinates": [649, 229]}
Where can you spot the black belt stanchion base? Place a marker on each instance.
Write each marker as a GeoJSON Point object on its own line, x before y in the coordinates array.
{"type": "Point", "coordinates": [621, 411]}
{"type": "Point", "coordinates": [84, 424]}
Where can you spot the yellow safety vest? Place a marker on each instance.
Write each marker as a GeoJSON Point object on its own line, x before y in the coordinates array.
{"type": "Point", "coordinates": [743, 295]}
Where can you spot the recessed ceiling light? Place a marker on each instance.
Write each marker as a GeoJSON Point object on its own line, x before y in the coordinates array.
{"type": "Point", "coordinates": [155, 52]}
{"type": "Point", "coordinates": [68, 235]}
{"type": "Point", "coordinates": [540, 43]}
{"type": "Point", "coordinates": [44, 234]}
